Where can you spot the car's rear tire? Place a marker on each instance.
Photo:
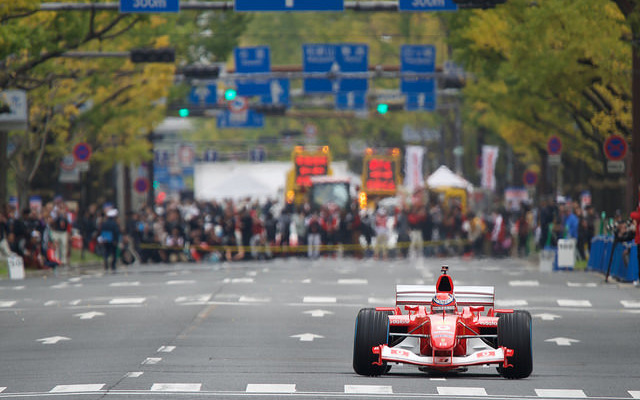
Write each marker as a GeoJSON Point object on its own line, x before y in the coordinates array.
{"type": "Point", "coordinates": [514, 332]}
{"type": "Point", "coordinates": [372, 329]}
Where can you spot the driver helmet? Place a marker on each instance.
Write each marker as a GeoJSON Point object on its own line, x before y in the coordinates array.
{"type": "Point", "coordinates": [443, 302]}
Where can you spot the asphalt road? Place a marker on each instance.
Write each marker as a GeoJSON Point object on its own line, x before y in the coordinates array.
{"type": "Point", "coordinates": [284, 329]}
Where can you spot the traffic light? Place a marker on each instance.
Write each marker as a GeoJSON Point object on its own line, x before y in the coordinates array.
{"type": "Point", "coordinates": [201, 71]}
{"type": "Point", "coordinates": [382, 108]}
{"type": "Point", "coordinates": [183, 112]}
{"type": "Point", "coordinates": [230, 94]}
{"type": "Point", "coordinates": [151, 55]}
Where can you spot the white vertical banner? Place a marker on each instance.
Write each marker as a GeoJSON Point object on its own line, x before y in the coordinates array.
{"type": "Point", "coordinates": [489, 158]}
{"type": "Point", "coordinates": [413, 177]}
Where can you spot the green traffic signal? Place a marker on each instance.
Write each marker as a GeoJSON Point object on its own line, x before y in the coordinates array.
{"type": "Point", "coordinates": [183, 112]}
{"type": "Point", "coordinates": [383, 108]}
{"type": "Point", "coordinates": [230, 94]}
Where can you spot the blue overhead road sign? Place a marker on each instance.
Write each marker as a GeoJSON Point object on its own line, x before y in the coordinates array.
{"type": "Point", "coordinates": [427, 5]}
{"type": "Point", "coordinates": [149, 6]}
{"type": "Point", "coordinates": [336, 58]}
{"type": "Point", "coordinates": [351, 101]}
{"type": "Point", "coordinates": [353, 58]}
{"type": "Point", "coordinates": [252, 60]}
{"type": "Point", "coordinates": [246, 119]}
{"type": "Point", "coordinates": [203, 95]}
{"type": "Point", "coordinates": [289, 5]}
{"type": "Point", "coordinates": [318, 58]}
{"type": "Point", "coordinates": [278, 92]}
{"type": "Point", "coordinates": [418, 59]}
{"type": "Point", "coordinates": [421, 101]}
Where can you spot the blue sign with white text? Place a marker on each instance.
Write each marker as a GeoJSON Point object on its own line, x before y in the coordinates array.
{"type": "Point", "coordinates": [289, 5]}
{"type": "Point", "coordinates": [252, 60]}
{"type": "Point", "coordinates": [427, 5]}
{"type": "Point", "coordinates": [418, 59]}
{"type": "Point", "coordinates": [278, 92]}
{"type": "Point", "coordinates": [253, 87]}
{"type": "Point", "coordinates": [246, 119]}
{"type": "Point", "coordinates": [203, 95]}
{"type": "Point", "coordinates": [149, 6]}
{"type": "Point", "coordinates": [421, 101]}
{"type": "Point", "coordinates": [351, 101]}
{"type": "Point", "coordinates": [335, 58]}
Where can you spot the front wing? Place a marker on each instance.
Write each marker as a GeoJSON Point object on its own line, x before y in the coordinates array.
{"type": "Point", "coordinates": [392, 354]}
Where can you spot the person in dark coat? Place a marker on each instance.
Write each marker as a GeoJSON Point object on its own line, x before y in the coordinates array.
{"type": "Point", "coordinates": [109, 238]}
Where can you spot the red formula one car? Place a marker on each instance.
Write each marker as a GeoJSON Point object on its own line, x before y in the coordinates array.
{"type": "Point", "coordinates": [444, 329]}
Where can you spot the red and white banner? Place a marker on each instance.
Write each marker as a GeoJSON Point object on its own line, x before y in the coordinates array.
{"type": "Point", "coordinates": [489, 158]}
{"type": "Point", "coordinates": [413, 177]}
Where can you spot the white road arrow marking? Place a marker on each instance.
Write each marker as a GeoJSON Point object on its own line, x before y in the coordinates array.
{"type": "Point", "coordinates": [89, 315]}
{"type": "Point", "coordinates": [547, 317]}
{"type": "Point", "coordinates": [307, 337]}
{"type": "Point", "coordinates": [563, 341]}
{"type": "Point", "coordinates": [318, 313]}
{"type": "Point", "coordinates": [52, 339]}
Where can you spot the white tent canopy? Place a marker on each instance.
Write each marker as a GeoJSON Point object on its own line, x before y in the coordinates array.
{"type": "Point", "coordinates": [444, 177]}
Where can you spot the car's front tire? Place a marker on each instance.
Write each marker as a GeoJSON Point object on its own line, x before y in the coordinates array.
{"type": "Point", "coordinates": [372, 329]}
{"type": "Point", "coordinates": [514, 332]}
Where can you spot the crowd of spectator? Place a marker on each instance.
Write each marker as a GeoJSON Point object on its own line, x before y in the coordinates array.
{"type": "Point", "coordinates": [241, 230]}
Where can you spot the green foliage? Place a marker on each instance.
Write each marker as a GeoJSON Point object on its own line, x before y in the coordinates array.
{"type": "Point", "coordinates": [547, 68]}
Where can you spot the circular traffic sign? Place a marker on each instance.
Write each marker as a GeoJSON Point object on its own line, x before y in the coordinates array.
{"type": "Point", "coordinates": [615, 148]}
{"type": "Point", "coordinates": [141, 185]}
{"type": "Point", "coordinates": [554, 145]}
{"type": "Point", "coordinates": [530, 178]}
{"type": "Point", "coordinates": [82, 152]}
{"type": "Point", "coordinates": [238, 105]}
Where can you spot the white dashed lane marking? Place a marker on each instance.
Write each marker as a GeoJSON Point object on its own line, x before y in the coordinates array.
{"type": "Point", "coordinates": [7, 303]}
{"type": "Point", "coordinates": [368, 389]}
{"type": "Point", "coordinates": [316, 299]}
{"type": "Point", "coordinates": [136, 374]}
{"type": "Point", "coordinates": [124, 284]}
{"type": "Point", "coordinates": [270, 388]}
{"type": "Point", "coordinates": [574, 303]}
{"type": "Point", "coordinates": [353, 282]}
{"type": "Point", "coordinates": [166, 349]}
{"type": "Point", "coordinates": [77, 388]}
{"type": "Point", "coordinates": [524, 283]}
{"type": "Point", "coordinates": [634, 393]}
{"type": "Point", "coordinates": [461, 391]}
{"type": "Point", "coordinates": [630, 304]}
{"type": "Point", "coordinates": [176, 387]}
{"type": "Point", "coordinates": [184, 282]}
{"type": "Point", "coordinates": [151, 360]}
{"type": "Point", "coordinates": [561, 393]}
{"type": "Point", "coordinates": [127, 300]}
{"type": "Point", "coordinates": [2, 389]}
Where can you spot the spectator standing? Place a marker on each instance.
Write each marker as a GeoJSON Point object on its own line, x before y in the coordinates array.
{"type": "Point", "coordinates": [60, 232]}
{"type": "Point", "coordinates": [416, 217]}
{"type": "Point", "coordinates": [314, 235]}
{"type": "Point", "coordinates": [109, 238]}
{"type": "Point", "coordinates": [381, 249]}
{"type": "Point", "coordinates": [403, 229]}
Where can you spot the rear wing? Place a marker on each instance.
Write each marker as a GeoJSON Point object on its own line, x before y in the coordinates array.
{"type": "Point", "coordinates": [466, 296]}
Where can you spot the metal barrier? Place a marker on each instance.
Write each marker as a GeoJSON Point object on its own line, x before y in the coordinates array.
{"type": "Point", "coordinates": [624, 262]}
